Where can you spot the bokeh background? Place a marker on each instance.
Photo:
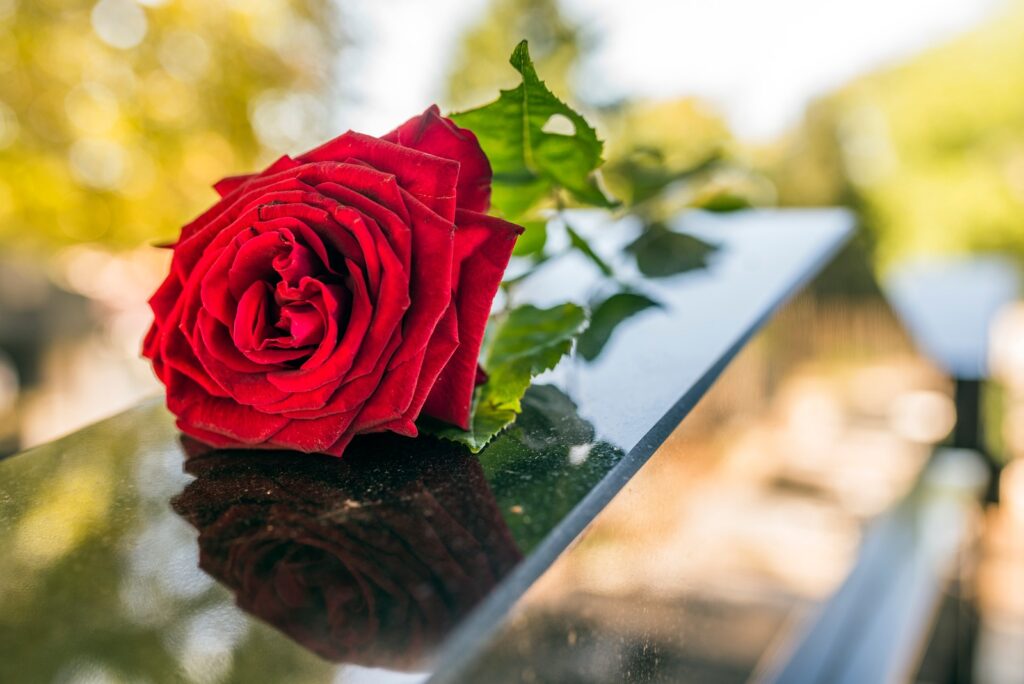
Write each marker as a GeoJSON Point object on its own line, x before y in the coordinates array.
{"type": "Point", "coordinates": [116, 117]}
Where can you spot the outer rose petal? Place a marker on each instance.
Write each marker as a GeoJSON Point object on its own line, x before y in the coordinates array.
{"type": "Point", "coordinates": [434, 134]}
{"type": "Point", "coordinates": [483, 247]}
{"type": "Point", "coordinates": [430, 179]}
{"type": "Point", "coordinates": [226, 186]}
{"type": "Point", "coordinates": [438, 353]}
{"type": "Point", "coordinates": [195, 409]}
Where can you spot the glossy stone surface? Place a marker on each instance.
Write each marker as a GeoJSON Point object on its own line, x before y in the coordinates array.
{"type": "Point", "coordinates": [134, 555]}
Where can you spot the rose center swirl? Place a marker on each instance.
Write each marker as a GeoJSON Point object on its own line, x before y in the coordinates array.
{"type": "Point", "coordinates": [291, 298]}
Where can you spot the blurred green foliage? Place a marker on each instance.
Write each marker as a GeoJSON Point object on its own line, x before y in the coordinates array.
{"type": "Point", "coordinates": [117, 115]}
{"type": "Point", "coordinates": [931, 152]}
{"type": "Point", "coordinates": [668, 156]}
{"type": "Point", "coordinates": [481, 61]}
{"type": "Point", "coordinates": [661, 157]}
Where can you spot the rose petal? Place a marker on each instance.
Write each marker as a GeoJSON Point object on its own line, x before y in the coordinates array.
{"type": "Point", "coordinates": [434, 134]}
{"type": "Point", "coordinates": [388, 210]}
{"type": "Point", "coordinates": [180, 359]}
{"type": "Point", "coordinates": [403, 389]}
{"type": "Point", "coordinates": [316, 214]}
{"type": "Point", "coordinates": [432, 180]}
{"type": "Point", "coordinates": [226, 186]}
{"type": "Point", "coordinates": [436, 356]}
{"type": "Point", "coordinates": [208, 225]}
{"type": "Point", "coordinates": [311, 435]}
{"type": "Point", "coordinates": [198, 411]}
{"type": "Point", "coordinates": [248, 386]}
{"type": "Point", "coordinates": [251, 328]}
{"type": "Point", "coordinates": [253, 261]}
{"type": "Point", "coordinates": [304, 324]}
{"type": "Point", "coordinates": [483, 247]}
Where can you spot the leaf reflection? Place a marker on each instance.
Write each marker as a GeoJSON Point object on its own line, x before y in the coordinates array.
{"type": "Point", "coordinates": [545, 463]}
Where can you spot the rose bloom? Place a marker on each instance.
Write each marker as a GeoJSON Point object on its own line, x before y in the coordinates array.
{"type": "Point", "coordinates": [341, 292]}
{"type": "Point", "coordinates": [357, 561]}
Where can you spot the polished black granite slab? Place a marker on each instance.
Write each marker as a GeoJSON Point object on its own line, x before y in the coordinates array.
{"type": "Point", "coordinates": [134, 555]}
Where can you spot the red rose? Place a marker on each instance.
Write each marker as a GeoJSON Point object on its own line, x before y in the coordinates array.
{"type": "Point", "coordinates": [338, 293]}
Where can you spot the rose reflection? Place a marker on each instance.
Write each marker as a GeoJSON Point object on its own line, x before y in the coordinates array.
{"type": "Point", "coordinates": [368, 560]}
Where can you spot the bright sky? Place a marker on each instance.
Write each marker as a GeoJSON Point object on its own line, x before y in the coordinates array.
{"type": "Point", "coordinates": [759, 61]}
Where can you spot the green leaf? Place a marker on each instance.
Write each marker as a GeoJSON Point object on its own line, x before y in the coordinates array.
{"type": "Point", "coordinates": [583, 246]}
{"type": "Point", "coordinates": [661, 252]}
{"type": "Point", "coordinates": [522, 343]}
{"type": "Point", "coordinates": [530, 161]}
{"type": "Point", "coordinates": [606, 317]}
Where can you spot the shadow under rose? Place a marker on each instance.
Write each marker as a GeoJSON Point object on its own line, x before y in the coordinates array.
{"type": "Point", "coordinates": [370, 559]}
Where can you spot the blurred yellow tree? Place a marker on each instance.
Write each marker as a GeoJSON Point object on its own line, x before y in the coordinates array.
{"type": "Point", "coordinates": [117, 115]}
